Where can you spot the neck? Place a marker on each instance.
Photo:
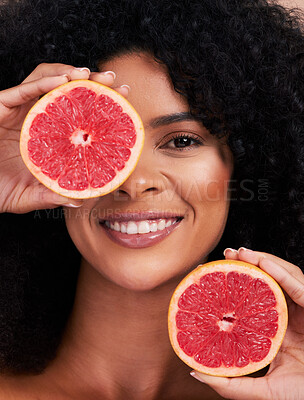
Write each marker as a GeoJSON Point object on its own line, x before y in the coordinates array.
{"type": "Point", "coordinates": [116, 341]}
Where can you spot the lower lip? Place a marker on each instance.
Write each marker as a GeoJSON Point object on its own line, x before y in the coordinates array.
{"type": "Point", "coordinates": [139, 240]}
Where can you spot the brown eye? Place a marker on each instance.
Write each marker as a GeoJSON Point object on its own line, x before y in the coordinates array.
{"type": "Point", "coordinates": [183, 141]}
{"type": "Point", "coordinates": [180, 142]}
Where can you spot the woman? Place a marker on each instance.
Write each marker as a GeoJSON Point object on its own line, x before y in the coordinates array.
{"type": "Point", "coordinates": [218, 86]}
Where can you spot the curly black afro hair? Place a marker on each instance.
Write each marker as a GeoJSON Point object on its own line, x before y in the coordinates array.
{"type": "Point", "coordinates": [239, 63]}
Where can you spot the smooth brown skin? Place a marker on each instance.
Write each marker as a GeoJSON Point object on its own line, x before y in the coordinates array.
{"type": "Point", "coordinates": [116, 344]}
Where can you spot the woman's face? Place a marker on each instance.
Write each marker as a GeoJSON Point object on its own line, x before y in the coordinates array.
{"type": "Point", "coordinates": [177, 194]}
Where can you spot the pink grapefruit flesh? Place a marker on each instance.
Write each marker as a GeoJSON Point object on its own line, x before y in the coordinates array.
{"type": "Point", "coordinates": [227, 318]}
{"type": "Point", "coordinates": [82, 139]}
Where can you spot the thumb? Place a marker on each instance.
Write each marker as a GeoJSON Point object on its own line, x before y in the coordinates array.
{"type": "Point", "coordinates": [51, 199]}
{"type": "Point", "coordinates": [236, 388]}
{"type": "Point", "coordinates": [39, 197]}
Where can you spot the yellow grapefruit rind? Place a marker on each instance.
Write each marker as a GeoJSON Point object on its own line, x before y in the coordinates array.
{"type": "Point", "coordinates": [227, 266]}
{"type": "Point", "coordinates": [121, 176]}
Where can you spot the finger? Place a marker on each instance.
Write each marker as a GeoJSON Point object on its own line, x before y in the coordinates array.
{"type": "Point", "coordinates": [236, 388]}
{"type": "Point", "coordinates": [49, 199]}
{"type": "Point", "coordinates": [292, 286]}
{"type": "Point", "coordinates": [38, 197]}
{"type": "Point", "coordinates": [231, 254]}
{"type": "Point", "coordinates": [48, 70]}
{"type": "Point", "coordinates": [105, 78]}
{"type": "Point", "coordinates": [124, 90]}
{"type": "Point", "coordinates": [255, 257]}
{"type": "Point", "coordinates": [25, 92]}
{"type": "Point", "coordinates": [250, 256]}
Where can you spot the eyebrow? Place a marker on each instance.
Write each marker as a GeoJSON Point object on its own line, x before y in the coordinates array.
{"type": "Point", "coordinates": [171, 118]}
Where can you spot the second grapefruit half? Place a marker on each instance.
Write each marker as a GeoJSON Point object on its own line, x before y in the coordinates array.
{"type": "Point", "coordinates": [227, 318]}
{"type": "Point", "coordinates": [82, 139]}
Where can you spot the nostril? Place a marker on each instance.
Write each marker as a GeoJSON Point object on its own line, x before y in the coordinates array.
{"type": "Point", "coordinates": [121, 192]}
{"type": "Point", "coordinates": [135, 188]}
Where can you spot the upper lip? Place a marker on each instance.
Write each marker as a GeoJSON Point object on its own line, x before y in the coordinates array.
{"type": "Point", "coordinates": [142, 215]}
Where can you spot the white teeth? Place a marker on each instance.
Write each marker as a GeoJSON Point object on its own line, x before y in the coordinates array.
{"type": "Point", "coordinates": [143, 227]}
{"type": "Point", "coordinates": [153, 227]}
{"type": "Point", "coordinates": [131, 228]}
{"type": "Point", "coordinates": [161, 225]}
{"type": "Point", "coordinates": [168, 223]}
{"type": "Point", "coordinates": [146, 226]}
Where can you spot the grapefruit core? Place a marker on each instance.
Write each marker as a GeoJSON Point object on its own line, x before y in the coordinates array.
{"type": "Point", "coordinates": [82, 139]}
{"type": "Point", "coordinates": [227, 318]}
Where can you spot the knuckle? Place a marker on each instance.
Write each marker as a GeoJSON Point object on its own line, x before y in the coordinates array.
{"type": "Point", "coordinates": [59, 66]}
{"type": "Point", "coordinates": [22, 93]}
{"type": "Point", "coordinates": [297, 293]}
{"type": "Point", "coordinates": [37, 72]}
{"type": "Point", "coordinates": [40, 67]}
{"type": "Point", "coordinates": [2, 111]}
{"type": "Point", "coordinates": [70, 70]}
{"type": "Point", "coordinates": [298, 273]}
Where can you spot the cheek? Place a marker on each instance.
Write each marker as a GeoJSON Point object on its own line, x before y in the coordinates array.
{"type": "Point", "coordinates": [217, 187]}
{"type": "Point", "coordinates": [207, 180]}
{"type": "Point", "coordinates": [79, 227]}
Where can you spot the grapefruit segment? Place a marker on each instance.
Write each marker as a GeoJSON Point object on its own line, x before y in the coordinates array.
{"type": "Point", "coordinates": [227, 318]}
{"type": "Point", "coordinates": [82, 139]}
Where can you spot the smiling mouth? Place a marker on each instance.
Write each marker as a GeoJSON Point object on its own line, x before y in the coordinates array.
{"type": "Point", "coordinates": [142, 227]}
{"type": "Point", "coordinates": [139, 233]}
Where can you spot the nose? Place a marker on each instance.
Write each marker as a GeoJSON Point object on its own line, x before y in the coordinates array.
{"type": "Point", "coordinates": [145, 180]}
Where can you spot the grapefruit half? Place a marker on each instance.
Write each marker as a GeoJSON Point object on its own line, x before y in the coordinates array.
{"type": "Point", "coordinates": [82, 139]}
{"type": "Point", "coordinates": [227, 318]}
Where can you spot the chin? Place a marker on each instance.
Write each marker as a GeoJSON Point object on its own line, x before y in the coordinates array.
{"type": "Point", "coordinates": [146, 276]}
{"type": "Point", "coordinates": [141, 283]}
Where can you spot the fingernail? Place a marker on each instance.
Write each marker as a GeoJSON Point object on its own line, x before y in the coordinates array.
{"type": "Point", "coordinates": [244, 249]}
{"type": "Point", "coordinates": [110, 73]}
{"type": "Point", "coordinates": [229, 249]}
{"type": "Point", "coordinates": [126, 86]}
{"type": "Point", "coordinates": [196, 376]}
{"type": "Point", "coordinates": [83, 69]}
{"type": "Point", "coordinates": [67, 76]}
{"type": "Point", "coordinates": [72, 205]}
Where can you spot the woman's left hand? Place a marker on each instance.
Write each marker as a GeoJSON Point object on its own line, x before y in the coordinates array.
{"type": "Point", "coordinates": [285, 377]}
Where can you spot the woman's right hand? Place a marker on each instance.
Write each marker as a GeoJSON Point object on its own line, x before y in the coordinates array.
{"type": "Point", "coordinates": [20, 191]}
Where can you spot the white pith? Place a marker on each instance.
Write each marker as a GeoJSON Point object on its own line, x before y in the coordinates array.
{"type": "Point", "coordinates": [225, 325]}
{"type": "Point", "coordinates": [140, 227]}
{"type": "Point", "coordinates": [78, 138]}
